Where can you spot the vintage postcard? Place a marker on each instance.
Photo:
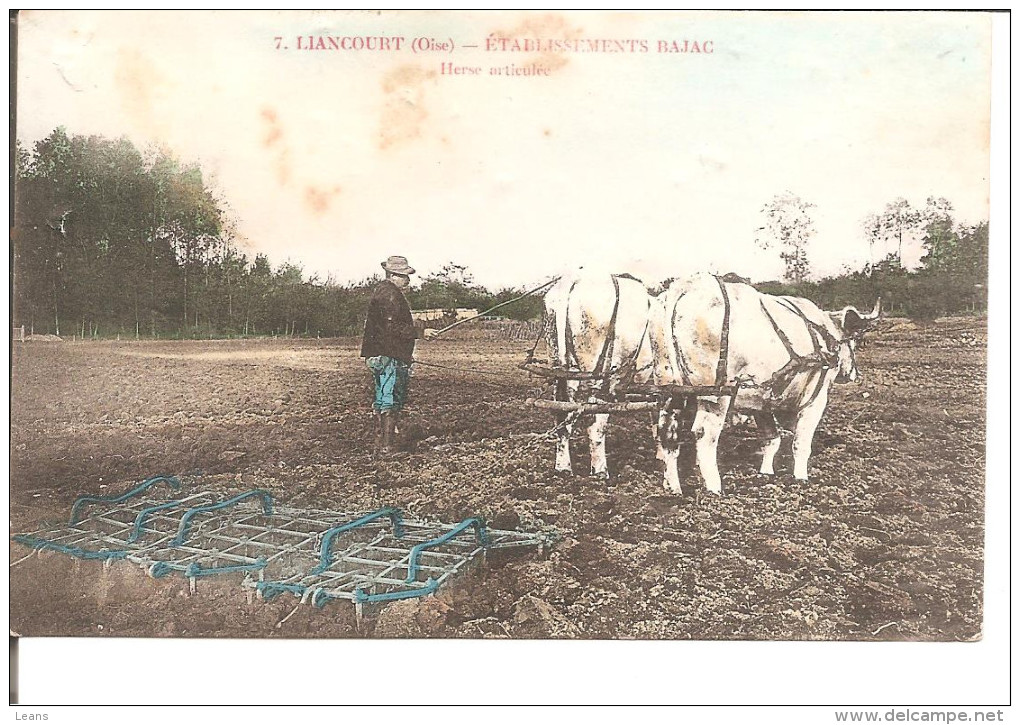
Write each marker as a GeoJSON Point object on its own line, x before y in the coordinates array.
{"type": "Point", "coordinates": [500, 325]}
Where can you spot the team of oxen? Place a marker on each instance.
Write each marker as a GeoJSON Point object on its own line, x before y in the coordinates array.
{"type": "Point", "coordinates": [703, 350]}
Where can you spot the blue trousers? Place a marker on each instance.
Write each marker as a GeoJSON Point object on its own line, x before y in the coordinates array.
{"type": "Point", "coordinates": [391, 378]}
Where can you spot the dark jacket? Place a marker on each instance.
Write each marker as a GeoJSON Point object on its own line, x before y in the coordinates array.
{"type": "Point", "coordinates": [389, 329]}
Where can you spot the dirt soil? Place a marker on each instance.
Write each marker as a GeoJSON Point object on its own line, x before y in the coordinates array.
{"type": "Point", "coordinates": [884, 542]}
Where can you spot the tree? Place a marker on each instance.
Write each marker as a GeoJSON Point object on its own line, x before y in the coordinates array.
{"type": "Point", "coordinates": [788, 226]}
{"type": "Point", "coordinates": [955, 267]}
{"type": "Point", "coordinates": [105, 236]}
{"type": "Point", "coordinates": [258, 281]}
{"type": "Point", "coordinates": [449, 288]}
{"type": "Point", "coordinates": [40, 231]}
{"type": "Point", "coordinates": [972, 253]}
{"type": "Point", "coordinates": [455, 275]}
{"type": "Point", "coordinates": [289, 298]}
{"type": "Point", "coordinates": [108, 239]}
{"type": "Point", "coordinates": [899, 221]}
{"type": "Point", "coordinates": [940, 242]}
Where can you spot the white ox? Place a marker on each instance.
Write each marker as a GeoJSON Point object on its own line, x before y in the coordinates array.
{"type": "Point", "coordinates": [782, 353]}
{"type": "Point", "coordinates": [597, 325]}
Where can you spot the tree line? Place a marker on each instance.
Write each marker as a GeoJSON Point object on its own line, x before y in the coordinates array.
{"type": "Point", "coordinates": [110, 241]}
{"type": "Point", "coordinates": [950, 278]}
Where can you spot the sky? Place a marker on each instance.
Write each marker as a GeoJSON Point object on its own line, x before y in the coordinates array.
{"type": "Point", "coordinates": [625, 158]}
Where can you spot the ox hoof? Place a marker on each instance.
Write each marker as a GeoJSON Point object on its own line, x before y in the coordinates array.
{"type": "Point", "coordinates": [602, 476]}
{"type": "Point", "coordinates": [563, 473]}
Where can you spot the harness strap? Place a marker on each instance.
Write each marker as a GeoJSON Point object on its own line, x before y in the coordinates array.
{"type": "Point", "coordinates": [685, 377]}
{"type": "Point", "coordinates": [783, 338]}
{"type": "Point", "coordinates": [780, 383]}
{"type": "Point", "coordinates": [819, 386]}
{"type": "Point", "coordinates": [602, 370]}
{"type": "Point", "coordinates": [816, 332]}
{"type": "Point", "coordinates": [797, 362]}
{"type": "Point", "coordinates": [724, 337]}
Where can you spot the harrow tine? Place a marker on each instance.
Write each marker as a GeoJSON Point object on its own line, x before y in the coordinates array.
{"type": "Point", "coordinates": [303, 552]}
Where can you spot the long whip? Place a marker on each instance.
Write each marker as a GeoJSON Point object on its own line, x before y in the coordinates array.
{"type": "Point", "coordinates": [541, 287]}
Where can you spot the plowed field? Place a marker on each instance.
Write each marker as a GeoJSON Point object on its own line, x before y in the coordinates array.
{"type": "Point", "coordinates": [884, 542]}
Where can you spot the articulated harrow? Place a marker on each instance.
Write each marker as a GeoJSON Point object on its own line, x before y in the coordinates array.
{"type": "Point", "coordinates": [315, 555]}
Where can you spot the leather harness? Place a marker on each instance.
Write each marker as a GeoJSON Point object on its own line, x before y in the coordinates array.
{"type": "Point", "coordinates": [823, 357]}
{"type": "Point", "coordinates": [602, 370]}
{"type": "Point", "coordinates": [724, 341]}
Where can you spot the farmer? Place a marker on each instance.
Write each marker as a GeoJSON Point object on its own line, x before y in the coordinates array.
{"type": "Point", "coordinates": [388, 346]}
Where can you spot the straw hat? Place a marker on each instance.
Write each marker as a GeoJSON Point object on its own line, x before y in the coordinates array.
{"type": "Point", "coordinates": [398, 265]}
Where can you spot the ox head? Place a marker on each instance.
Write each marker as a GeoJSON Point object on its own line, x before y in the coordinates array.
{"type": "Point", "coordinates": [853, 324]}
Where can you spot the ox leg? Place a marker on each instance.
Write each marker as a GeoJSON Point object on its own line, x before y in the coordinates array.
{"type": "Point", "coordinates": [804, 433]}
{"type": "Point", "coordinates": [597, 446]}
{"type": "Point", "coordinates": [708, 424]}
{"type": "Point", "coordinates": [564, 391]}
{"type": "Point", "coordinates": [667, 445]}
{"type": "Point", "coordinates": [770, 430]}
{"type": "Point", "coordinates": [563, 448]}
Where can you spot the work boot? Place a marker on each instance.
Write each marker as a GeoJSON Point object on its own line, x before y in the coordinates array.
{"type": "Point", "coordinates": [378, 431]}
{"type": "Point", "coordinates": [387, 424]}
{"type": "Point", "coordinates": [391, 447]}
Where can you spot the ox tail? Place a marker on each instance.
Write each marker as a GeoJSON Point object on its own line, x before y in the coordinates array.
{"type": "Point", "coordinates": [722, 367]}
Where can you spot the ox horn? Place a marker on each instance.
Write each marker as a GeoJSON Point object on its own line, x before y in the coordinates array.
{"type": "Point", "coordinates": [873, 315]}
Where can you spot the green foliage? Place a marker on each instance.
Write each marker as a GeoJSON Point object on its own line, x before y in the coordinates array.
{"type": "Point", "coordinates": [110, 241]}
{"type": "Point", "coordinates": [900, 222]}
{"type": "Point", "coordinates": [530, 308]}
{"type": "Point", "coordinates": [952, 279]}
{"type": "Point", "coordinates": [453, 287]}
